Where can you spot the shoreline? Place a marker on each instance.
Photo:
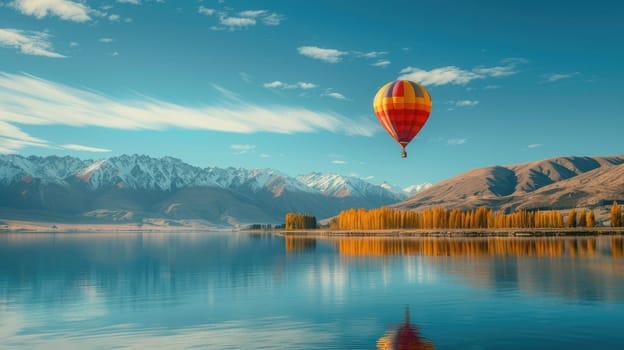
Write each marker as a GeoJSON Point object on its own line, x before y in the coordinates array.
{"type": "Point", "coordinates": [509, 232]}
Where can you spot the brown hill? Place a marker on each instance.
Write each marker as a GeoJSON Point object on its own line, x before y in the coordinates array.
{"type": "Point", "coordinates": [556, 183]}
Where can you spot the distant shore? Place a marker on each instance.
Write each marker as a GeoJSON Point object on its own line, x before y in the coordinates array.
{"type": "Point", "coordinates": [162, 225]}
{"type": "Point", "coordinates": [154, 225]}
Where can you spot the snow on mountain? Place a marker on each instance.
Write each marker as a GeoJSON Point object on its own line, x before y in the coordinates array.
{"type": "Point", "coordinates": [335, 185]}
{"type": "Point", "coordinates": [51, 169]}
{"type": "Point", "coordinates": [167, 174]}
{"type": "Point", "coordinates": [413, 189]}
{"type": "Point", "coordinates": [407, 191]}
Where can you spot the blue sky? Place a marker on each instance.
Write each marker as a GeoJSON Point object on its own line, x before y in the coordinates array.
{"type": "Point", "coordinates": [289, 84]}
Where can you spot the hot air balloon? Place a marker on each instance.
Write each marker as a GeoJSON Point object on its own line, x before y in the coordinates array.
{"type": "Point", "coordinates": [402, 108]}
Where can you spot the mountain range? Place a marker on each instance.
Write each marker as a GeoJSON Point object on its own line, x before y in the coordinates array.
{"type": "Point", "coordinates": [130, 188]}
{"type": "Point", "coordinates": [555, 183]}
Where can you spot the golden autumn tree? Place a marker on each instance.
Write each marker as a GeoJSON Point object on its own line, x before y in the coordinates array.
{"type": "Point", "coordinates": [299, 221]}
{"type": "Point", "coordinates": [590, 219]}
{"type": "Point", "coordinates": [616, 215]}
{"type": "Point", "coordinates": [572, 218]}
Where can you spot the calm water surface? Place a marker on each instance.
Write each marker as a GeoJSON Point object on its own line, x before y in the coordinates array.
{"type": "Point", "coordinates": [243, 291]}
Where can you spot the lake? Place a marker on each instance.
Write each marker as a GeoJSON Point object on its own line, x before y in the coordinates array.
{"type": "Point", "coordinates": [228, 290]}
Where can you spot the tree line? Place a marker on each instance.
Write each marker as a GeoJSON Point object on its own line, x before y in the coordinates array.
{"type": "Point", "coordinates": [482, 217]}
{"type": "Point", "coordinates": [298, 221]}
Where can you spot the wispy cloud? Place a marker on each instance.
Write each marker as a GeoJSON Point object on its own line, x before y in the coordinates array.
{"type": "Point", "coordinates": [327, 55]}
{"type": "Point", "coordinates": [491, 87]}
{"type": "Point", "coordinates": [237, 22]}
{"type": "Point", "coordinates": [456, 76]}
{"type": "Point", "coordinates": [535, 145]}
{"type": "Point", "coordinates": [113, 18]}
{"type": "Point", "coordinates": [82, 148]}
{"type": "Point", "coordinates": [242, 148]}
{"type": "Point", "coordinates": [242, 19]}
{"type": "Point", "coordinates": [133, 2]}
{"type": "Point", "coordinates": [381, 63]}
{"type": "Point", "coordinates": [553, 77]}
{"type": "Point", "coordinates": [206, 11]}
{"type": "Point", "coordinates": [28, 42]}
{"type": "Point", "coordinates": [455, 142]}
{"type": "Point", "coordinates": [335, 95]}
{"type": "Point", "coordinates": [64, 9]}
{"type": "Point", "coordinates": [266, 17]}
{"type": "Point", "coordinates": [465, 103]}
{"type": "Point", "coordinates": [335, 55]}
{"type": "Point", "coordinates": [339, 162]}
{"type": "Point", "coordinates": [29, 100]}
{"type": "Point", "coordinates": [106, 40]}
{"type": "Point", "coordinates": [13, 139]}
{"type": "Point", "coordinates": [281, 85]}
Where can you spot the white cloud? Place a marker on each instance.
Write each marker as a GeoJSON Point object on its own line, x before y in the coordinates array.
{"type": "Point", "coordinates": [336, 95]}
{"type": "Point", "coordinates": [306, 86]}
{"type": "Point", "coordinates": [106, 40]}
{"type": "Point", "coordinates": [534, 145]}
{"type": "Point", "coordinates": [491, 87]}
{"type": "Point", "coordinates": [73, 44]}
{"type": "Point", "coordinates": [339, 162]}
{"type": "Point", "coordinates": [28, 100]}
{"type": "Point", "coordinates": [381, 63]}
{"type": "Point", "coordinates": [274, 84]}
{"type": "Point", "coordinates": [13, 139]}
{"type": "Point", "coordinates": [28, 42]}
{"type": "Point", "coordinates": [457, 76]}
{"type": "Point", "coordinates": [82, 148]}
{"type": "Point", "coordinates": [455, 142]}
{"type": "Point", "coordinates": [551, 78]}
{"type": "Point", "coordinates": [327, 55]}
{"type": "Point", "coordinates": [272, 19]}
{"type": "Point", "coordinates": [64, 9]}
{"type": "Point", "coordinates": [133, 2]}
{"type": "Point", "coordinates": [113, 18]}
{"type": "Point", "coordinates": [237, 22]}
{"type": "Point", "coordinates": [264, 155]}
{"type": "Point", "coordinates": [466, 103]}
{"type": "Point", "coordinates": [266, 17]}
{"type": "Point", "coordinates": [438, 76]}
{"type": "Point", "coordinates": [252, 13]}
{"type": "Point", "coordinates": [372, 54]}
{"type": "Point", "coordinates": [206, 11]}
{"type": "Point", "coordinates": [281, 85]}
{"type": "Point", "coordinates": [242, 148]}
{"type": "Point", "coordinates": [495, 72]}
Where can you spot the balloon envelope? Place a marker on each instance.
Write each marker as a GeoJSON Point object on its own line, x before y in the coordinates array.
{"type": "Point", "coordinates": [402, 108]}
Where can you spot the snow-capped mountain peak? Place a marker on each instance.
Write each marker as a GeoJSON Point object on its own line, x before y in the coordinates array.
{"type": "Point", "coordinates": [139, 172]}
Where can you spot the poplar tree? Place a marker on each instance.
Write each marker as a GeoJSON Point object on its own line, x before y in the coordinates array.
{"type": "Point", "coordinates": [572, 218]}
{"type": "Point", "coordinates": [616, 215]}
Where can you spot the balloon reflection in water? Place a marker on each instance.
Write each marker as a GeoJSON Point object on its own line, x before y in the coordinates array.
{"type": "Point", "coordinates": [404, 337]}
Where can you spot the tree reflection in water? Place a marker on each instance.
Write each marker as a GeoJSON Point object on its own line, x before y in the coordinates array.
{"type": "Point", "coordinates": [492, 246]}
